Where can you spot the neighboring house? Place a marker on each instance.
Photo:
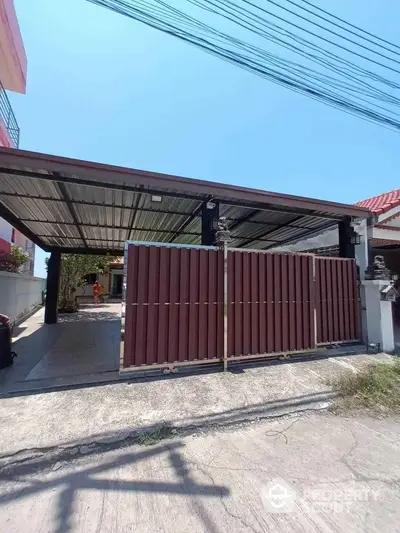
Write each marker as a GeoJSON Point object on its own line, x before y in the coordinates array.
{"type": "Point", "coordinates": [13, 69]}
{"type": "Point", "coordinates": [383, 235]}
{"type": "Point", "coordinates": [111, 282]}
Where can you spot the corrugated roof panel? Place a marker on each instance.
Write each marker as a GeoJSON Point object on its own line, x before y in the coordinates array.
{"type": "Point", "coordinates": [284, 233]}
{"type": "Point", "coordinates": [274, 217]}
{"type": "Point", "coordinates": [103, 216]}
{"type": "Point", "coordinates": [28, 186]}
{"type": "Point", "coordinates": [163, 221]}
{"type": "Point", "coordinates": [50, 228]}
{"type": "Point", "coordinates": [247, 229]}
{"type": "Point", "coordinates": [65, 242]}
{"type": "Point", "coordinates": [107, 234]}
{"type": "Point", "coordinates": [234, 212]}
{"type": "Point", "coordinates": [26, 208]}
{"type": "Point", "coordinates": [188, 239]}
{"type": "Point", "coordinates": [98, 195]}
{"type": "Point", "coordinates": [194, 226]}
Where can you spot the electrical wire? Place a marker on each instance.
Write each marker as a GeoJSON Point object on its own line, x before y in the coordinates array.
{"type": "Point", "coordinates": [348, 89]}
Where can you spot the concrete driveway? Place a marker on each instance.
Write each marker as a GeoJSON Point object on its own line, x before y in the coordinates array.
{"type": "Point", "coordinates": [81, 344]}
{"type": "Point", "coordinates": [315, 473]}
{"type": "Point", "coordinates": [71, 460]}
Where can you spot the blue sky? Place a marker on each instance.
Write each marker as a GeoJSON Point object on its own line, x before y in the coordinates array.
{"type": "Point", "coordinates": [102, 87]}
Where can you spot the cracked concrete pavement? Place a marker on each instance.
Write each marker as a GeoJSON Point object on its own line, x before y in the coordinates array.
{"type": "Point", "coordinates": [343, 474]}
{"type": "Point", "coordinates": [70, 460]}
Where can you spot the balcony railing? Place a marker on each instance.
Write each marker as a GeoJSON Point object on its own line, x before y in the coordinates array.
{"type": "Point", "coordinates": [8, 117]}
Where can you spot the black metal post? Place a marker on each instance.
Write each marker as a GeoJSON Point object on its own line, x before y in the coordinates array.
{"type": "Point", "coordinates": [346, 248]}
{"type": "Point", "coordinates": [53, 278]}
{"type": "Point", "coordinates": [209, 222]}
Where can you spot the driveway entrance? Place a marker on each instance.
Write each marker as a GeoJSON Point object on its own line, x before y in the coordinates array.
{"type": "Point", "coordinates": [81, 343]}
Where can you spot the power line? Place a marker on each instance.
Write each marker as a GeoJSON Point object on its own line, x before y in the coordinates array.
{"type": "Point", "coordinates": [349, 24]}
{"type": "Point", "coordinates": [347, 91]}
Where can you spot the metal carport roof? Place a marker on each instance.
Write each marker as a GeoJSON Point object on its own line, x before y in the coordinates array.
{"type": "Point", "coordinates": [78, 206]}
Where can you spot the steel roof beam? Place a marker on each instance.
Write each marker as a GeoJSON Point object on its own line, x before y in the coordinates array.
{"type": "Point", "coordinates": [186, 223]}
{"type": "Point", "coordinates": [99, 184]}
{"type": "Point", "coordinates": [96, 204]}
{"type": "Point", "coordinates": [71, 209]}
{"type": "Point", "coordinates": [90, 251]}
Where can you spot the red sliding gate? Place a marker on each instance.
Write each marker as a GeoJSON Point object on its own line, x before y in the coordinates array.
{"type": "Point", "coordinates": [277, 303]}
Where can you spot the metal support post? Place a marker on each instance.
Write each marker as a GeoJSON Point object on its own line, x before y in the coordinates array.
{"type": "Point", "coordinates": [225, 306]}
{"type": "Point", "coordinates": [346, 242]}
{"type": "Point", "coordinates": [222, 239]}
{"type": "Point", "coordinates": [53, 277]}
{"type": "Point", "coordinates": [209, 223]}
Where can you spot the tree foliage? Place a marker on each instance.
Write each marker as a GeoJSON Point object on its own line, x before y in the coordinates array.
{"type": "Point", "coordinates": [11, 262]}
{"type": "Point", "coordinates": [74, 268]}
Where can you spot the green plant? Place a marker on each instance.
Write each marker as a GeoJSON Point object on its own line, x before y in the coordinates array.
{"type": "Point", "coordinates": [151, 438]}
{"type": "Point", "coordinates": [74, 268]}
{"type": "Point", "coordinates": [12, 262]}
{"type": "Point", "coordinates": [376, 387]}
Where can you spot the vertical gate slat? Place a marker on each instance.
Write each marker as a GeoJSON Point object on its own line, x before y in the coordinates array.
{"type": "Point", "coordinates": [173, 300]}
{"type": "Point", "coordinates": [345, 296]}
{"type": "Point", "coordinates": [183, 320]}
{"type": "Point", "coordinates": [318, 302]}
{"type": "Point", "coordinates": [246, 306]}
{"type": "Point", "coordinates": [193, 298]}
{"type": "Point", "coordinates": [311, 298]}
{"type": "Point", "coordinates": [238, 299]}
{"type": "Point", "coordinates": [292, 302]}
{"type": "Point", "coordinates": [305, 305]}
{"type": "Point", "coordinates": [357, 304]}
{"type": "Point", "coordinates": [264, 327]}
{"type": "Point", "coordinates": [202, 323]}
{"type": "Point", "coordinates": [329, 300]}
{"type": "Point", "coordinates": [151, 310]}
{"type": "Point", "coordinates": [163, 307]}
{"type": "Point", "coordinates": [352, 297]}
{"type": "Point", "coordinates": [268, 296]}
{"type": "Point", "coordinates": [220, 308]}
{"type": "Point", "coordinates": [130, 318]}
{"type": "Point", "coordinates": [254, 306]}
{"type": "Point", "coordinates": [140, 344]}
{"type": "Point", "coordinates": [212, 307]}
{"type": "Point", "coordinates": [341, 311]}
{"type": "Point", "coordinates": [298, 315]}
{"type": "Point", "coordinates": [335, 297]}
{"type": "Point", "coordinates": [277, 306]}
{"type": "Point", "coordinates": [324, 301]}
{"type": "Point", "coordinates": [285, 306]}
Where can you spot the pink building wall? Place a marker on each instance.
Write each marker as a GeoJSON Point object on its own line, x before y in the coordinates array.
{"type": "Point", "coordinates": [4, 138]}
{"type": "Point", "coordinates": [13, 62]}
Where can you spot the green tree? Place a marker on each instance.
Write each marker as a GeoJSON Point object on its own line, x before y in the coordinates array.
{"type": "Point", "coordinates": [74, 268]}
{"type": "Point", "coordinates": [11, 262]}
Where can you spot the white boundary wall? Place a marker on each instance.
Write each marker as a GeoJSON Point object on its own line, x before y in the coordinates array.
{"type": "Point", "coordinates": [19, 294]}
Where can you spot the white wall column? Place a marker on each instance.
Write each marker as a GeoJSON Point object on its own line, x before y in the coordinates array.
{"type": "Point", "coordinates": [379, 320]}
{"type": "Point", "coordinates": [362, 260]}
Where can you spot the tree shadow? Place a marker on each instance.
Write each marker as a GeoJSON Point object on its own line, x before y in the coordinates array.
{"type": "Point", "coordinates": [83, 316]}
{"type": "Point", "coordinates": [69, 484]}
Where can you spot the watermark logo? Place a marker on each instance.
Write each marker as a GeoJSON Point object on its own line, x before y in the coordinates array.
{"type": "Point", "coordinates": [278, 496]}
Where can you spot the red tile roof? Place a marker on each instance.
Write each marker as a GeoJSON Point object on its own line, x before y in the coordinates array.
{"type": "Point", "coordinates": [381, 203]}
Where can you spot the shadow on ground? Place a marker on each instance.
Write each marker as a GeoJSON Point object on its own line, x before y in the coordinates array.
{"type": "Point", "coordinates": [51, 470]}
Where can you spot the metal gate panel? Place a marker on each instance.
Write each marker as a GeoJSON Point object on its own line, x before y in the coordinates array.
{"type": "Point", "coordinates": [174, 305]}
{"type": "Point", "coordinates": [270, 303]}
{"type": "Point", "coordinates": [337, 300]}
